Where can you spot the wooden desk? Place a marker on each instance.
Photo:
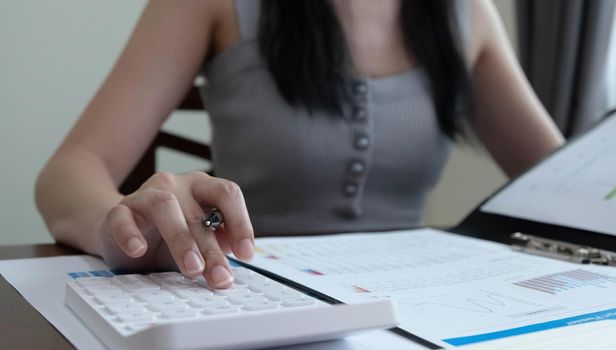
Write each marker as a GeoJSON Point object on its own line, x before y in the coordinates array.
{"type": "Point", "coordinates": [21, 326]}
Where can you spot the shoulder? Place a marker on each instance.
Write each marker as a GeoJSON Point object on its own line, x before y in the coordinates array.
{"type": "Point", "coordinates": [213, 21]}
{"type": "Point", "coordinates": [194, 9]}
{"type": "Point", "coordinates": [195, 12]}
{"type": "Point", "coordinates": [485, 27]}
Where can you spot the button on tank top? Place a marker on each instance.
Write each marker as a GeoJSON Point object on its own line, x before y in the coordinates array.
{"type": "Point", "coordinates": [367, 169]}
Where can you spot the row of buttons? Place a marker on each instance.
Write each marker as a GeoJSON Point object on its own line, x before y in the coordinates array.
{"type": "Point", "coordinates": [132, 300]}
{"type": "Point", "coordinates": [361, 142]}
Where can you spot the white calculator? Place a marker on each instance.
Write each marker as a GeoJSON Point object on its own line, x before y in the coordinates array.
{"type": "Point", "coordinates": [168, 311]}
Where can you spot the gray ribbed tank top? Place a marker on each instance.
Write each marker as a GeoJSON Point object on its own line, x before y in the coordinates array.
{"type": "Point", "coordinates": [369, 169]}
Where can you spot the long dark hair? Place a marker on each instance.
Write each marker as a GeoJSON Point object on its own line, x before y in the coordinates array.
{"type": "Point", "coordinates": [306, 52]}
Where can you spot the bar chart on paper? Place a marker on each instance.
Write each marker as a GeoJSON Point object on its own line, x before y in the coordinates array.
{"type": "Point", "coordinates": [567, 280]}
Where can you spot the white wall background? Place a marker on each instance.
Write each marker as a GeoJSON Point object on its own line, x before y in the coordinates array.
{"type": "Point", "coordinates": [610, 76]}
{"type": "Point", "coordinates": [54, 55]}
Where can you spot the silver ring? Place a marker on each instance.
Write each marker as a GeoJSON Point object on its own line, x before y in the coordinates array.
{"type": "Point", "coordinates": [213, 219]}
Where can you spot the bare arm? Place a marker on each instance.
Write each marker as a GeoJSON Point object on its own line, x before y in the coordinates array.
{"type": "Point", "coordinates": [150, 77]}
{"type": "Point", "coordinates": [509, 119]}
{"type": "Point", "coordinates": [77, 190]}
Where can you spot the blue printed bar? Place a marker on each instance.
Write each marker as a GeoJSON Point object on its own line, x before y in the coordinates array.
{"type": "Point", "coordinates": [98, 273]}
{"type": "Point", "coordinates": [609, 314]}
{"type": "Point", "coordinates": [75, 275]}
{"type": "Point", "coordinates": [101, 273]}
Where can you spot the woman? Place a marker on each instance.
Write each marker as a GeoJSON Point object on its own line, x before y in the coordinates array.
{"type": "Point", "coordinates": [330, 115]}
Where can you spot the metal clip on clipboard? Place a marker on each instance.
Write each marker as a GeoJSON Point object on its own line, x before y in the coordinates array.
{"type": "Point", "coordinates": [561, 250]}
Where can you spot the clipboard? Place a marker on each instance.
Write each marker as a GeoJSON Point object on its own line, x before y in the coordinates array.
{"type": "Point", "coordinates": [500, 228]}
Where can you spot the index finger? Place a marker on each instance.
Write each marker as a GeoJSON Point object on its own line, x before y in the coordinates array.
{"type": "Point", "coordinates": [228, 198]}
{"type": "Point", "coordinates": [163, 209]}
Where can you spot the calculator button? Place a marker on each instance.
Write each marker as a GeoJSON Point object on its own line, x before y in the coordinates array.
{"type": "Point", "coordinates": [140, 287]}
{"type": "Point", "coordinates": [211, 301]}
{"type": "Point", "coordinates": [242, 271]}
{"type": "Point", "coordinates": [200, 281]}
{"type": "Point", "coordinates": [167, 305]}
{"type": "Point", "coordinates": [117, 308]}
{"type": "Point", "coordinates": [231, 290]}
{"type": "Point", "coordinates": [300, 301]}
{"type": "Point", "coordinates": [128, 279]}
{"type": "Point", "coordinates": [175, 284]}
{"type": "Point", "coordinates": [102, 289]}
{"type": "Point", "coordinates": [248, 278]}
{"type": "Point", "coordinates": [192, 293]}
{"type": "Point", "coordinates": [92, 281]}
{"type": "Point", "coordinates": [178, 314]}
{"type": "Point", "coordinates": [278, 295]}
{"type": "Point", "coordinates": [151, 296]}
{"type": "Point", "coordinates": [262, 286]}
{"type": "Point", "coordinates": [135, 317]}
{"type": "Point", "coordinates": [221, 309]}
{"type": "Point", "coordinates": [246, 298]}
{"type": "Point", "coordinates": [113, 298]}
{"type": "Point", "coordinates": [166, 276]}
{"type": "Point", "coordinates": [262, 305]}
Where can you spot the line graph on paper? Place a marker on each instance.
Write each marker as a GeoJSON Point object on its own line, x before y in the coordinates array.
{"type": "Point", "coordinates": [477, 306]}
{"type": "Point", "coordinates": [592, 178]}
{"type": "Point", "coordinates": [485, 304]}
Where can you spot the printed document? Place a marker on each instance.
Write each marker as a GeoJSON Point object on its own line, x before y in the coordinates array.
{"type": "Point", "coordinates": [449, 289]}
{"type": "Point", "coordinates": [574, 187]}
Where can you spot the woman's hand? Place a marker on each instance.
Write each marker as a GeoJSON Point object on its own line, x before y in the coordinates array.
{"type": "Point", "coordinates": [160, 227]}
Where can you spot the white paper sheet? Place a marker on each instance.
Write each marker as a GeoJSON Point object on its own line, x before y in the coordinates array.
{"type": "Point", "coordinates": [449, 289]}
{"type": "Point", "coordinates": [574, 187]}
{"type": "Point", "coordinates": [41, 282]}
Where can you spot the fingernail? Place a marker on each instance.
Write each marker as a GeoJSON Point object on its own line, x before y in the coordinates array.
{"type": "Point", "coordinates": [192, 262]}
{"type": "Point", "coordinates": [221, 277]}
{"type": "Point", "coordinates": [246, 248]}
{"type": "Point", "coordinates": [134, 245]}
